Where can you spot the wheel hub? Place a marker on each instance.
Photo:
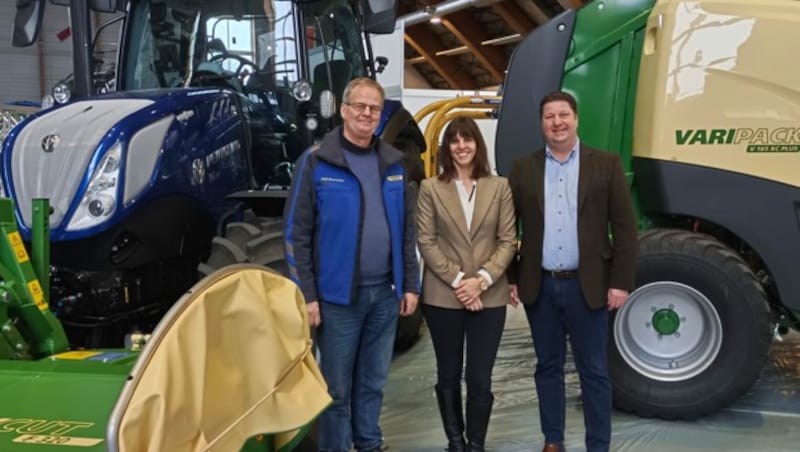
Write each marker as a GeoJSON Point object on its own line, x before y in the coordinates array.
{"type": "Point", "coordinates": [666, 321]}
{"type": "Point", "coordinates": [668, 331]}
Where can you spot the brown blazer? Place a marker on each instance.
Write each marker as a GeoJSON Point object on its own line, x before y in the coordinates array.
{"type": "Point", "coordinates": [603, 199]}
{"type": "Point", "coordinates": [447, 247]}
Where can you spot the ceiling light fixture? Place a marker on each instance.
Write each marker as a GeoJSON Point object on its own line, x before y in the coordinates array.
{"type": "Point", "coordinates": [431, 11]}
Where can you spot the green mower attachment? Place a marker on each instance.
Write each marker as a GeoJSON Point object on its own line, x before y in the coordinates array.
{"type": "Point", "coordinates": [229, 366]}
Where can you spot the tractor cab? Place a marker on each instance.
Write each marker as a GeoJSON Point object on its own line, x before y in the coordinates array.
{"type": "Point", "coordinates": [287, 63]}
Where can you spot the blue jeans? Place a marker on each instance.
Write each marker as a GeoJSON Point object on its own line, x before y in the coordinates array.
{"type": "Point", "coordinates": [561, 311]}
{"type": "Point", "coordinates": [355, 347]}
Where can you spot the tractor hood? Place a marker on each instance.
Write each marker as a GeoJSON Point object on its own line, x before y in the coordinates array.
{"type": "Point", "coordinates": [50, 156]}
{"type": "Point", "coordinates": [92, 157]}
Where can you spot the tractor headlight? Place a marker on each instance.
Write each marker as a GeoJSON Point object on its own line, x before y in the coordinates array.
{"type": "Point", "coordinates": [100, 199]}
{"type": "Point", "coordinates": [61, 93]}
{"type": "Point", "coordinates": [302, 90]}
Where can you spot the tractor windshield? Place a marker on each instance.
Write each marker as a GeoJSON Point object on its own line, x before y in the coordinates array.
{"type": "Point", "coordinates": [174, 43]}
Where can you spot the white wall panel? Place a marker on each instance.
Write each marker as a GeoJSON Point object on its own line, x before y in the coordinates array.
{"type": "Point", "coordinates": [57, 54]}
{"type": "Point", "coordinates": [27, 71]}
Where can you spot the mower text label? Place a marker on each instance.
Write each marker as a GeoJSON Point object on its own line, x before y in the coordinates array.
{"type": "Point", "coordinates": [41, 426]}
{"type": "Point", "coordinates": [43, 431]}
{"type": "Point", "coordinates": [58, 440]}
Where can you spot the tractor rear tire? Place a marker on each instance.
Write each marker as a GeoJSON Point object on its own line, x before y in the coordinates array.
{"type": "Point", "coordinates": [408, 330]}
{"type": "Point", "coordinates": [694, 335]}
{"type": "Point", "coordinates": [254, 241]}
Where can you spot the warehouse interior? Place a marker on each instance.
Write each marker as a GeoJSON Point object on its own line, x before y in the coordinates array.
{"type": "Point", "coordinates": [146, 152]}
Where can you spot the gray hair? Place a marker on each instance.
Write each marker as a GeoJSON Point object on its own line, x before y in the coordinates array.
{"type": "Point", "coordinates": [362, 81]}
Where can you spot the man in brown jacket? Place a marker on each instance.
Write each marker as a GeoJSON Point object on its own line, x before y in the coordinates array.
{"type": "Point", "coordinates": [570, 272]}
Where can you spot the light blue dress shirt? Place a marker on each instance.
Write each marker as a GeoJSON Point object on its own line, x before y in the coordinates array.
{"type": "Point", "coordinates": [560, 248]}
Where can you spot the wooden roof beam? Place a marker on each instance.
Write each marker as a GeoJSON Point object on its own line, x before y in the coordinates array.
{"type": "Point", "coordinates": [533, 10]}
{"type": "Point", "coordinates": [470, 33]}
{"type": "Point", "coordinates": [427, 44]}
{"type": "Point", "coordinates": [515, 17]}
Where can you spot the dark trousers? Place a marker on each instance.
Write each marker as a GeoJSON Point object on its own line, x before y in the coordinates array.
{"type": "Point", "coordinates": [561, 311]}
{"type": "Point", "coordinates": [481, 330]}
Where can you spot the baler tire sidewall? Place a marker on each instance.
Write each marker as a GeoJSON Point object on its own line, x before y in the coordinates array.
{"type": "Point", "coordinates": [714, 270]}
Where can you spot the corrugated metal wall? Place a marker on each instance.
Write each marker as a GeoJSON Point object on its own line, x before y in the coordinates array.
{"type": "Point", "coordinates": [27, 71]}
{"type": "Point", "coordinates": [26, 74]}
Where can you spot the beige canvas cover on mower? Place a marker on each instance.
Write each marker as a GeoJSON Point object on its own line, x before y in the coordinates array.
{"type": "Point", "coordinates": [231, 360]}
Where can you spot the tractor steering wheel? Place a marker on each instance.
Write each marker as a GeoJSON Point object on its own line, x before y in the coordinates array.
{"type": "Point", "coordinates": [243, 62]}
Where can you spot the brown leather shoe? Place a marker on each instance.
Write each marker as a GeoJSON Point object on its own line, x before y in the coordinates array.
{"type": "Point", "coordinates": [553, 447]}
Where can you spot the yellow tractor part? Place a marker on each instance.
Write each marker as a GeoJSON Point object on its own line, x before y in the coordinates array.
{"type": "Point", "coordinates": [477, 107]}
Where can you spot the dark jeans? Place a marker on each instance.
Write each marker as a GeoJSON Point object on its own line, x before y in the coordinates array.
{"type": "Point", "coordinates": [355, 347]}
{"type": "Point", "coordinates": [482, 330]}
{"type": "Point", "coordinates": [561, 311]}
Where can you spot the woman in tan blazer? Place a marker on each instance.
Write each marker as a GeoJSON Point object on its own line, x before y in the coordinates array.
{"type": "Point", "coordinates": [466, 233]}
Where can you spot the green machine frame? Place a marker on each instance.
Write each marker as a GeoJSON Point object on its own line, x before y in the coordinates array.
{"type": "Point", "coordinates": [28, 329]}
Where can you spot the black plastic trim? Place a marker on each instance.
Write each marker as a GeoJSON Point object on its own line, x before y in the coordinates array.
{"type": "Point", "coordinates": [763, 213]}
{"type": "Point", "coordinates": [535, 69]}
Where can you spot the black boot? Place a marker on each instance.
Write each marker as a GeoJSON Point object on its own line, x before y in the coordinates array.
{"type": "Point", "coordinates": [452, 418]}
{"type": "Point", "coordinates": [478, 414]}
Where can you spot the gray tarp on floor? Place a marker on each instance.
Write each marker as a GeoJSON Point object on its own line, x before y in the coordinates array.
{"type": "Point", "coordinates": [766, 419]}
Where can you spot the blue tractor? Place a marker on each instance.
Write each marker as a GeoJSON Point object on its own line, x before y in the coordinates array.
{"type": "Point", "coordinates": [187, 164]}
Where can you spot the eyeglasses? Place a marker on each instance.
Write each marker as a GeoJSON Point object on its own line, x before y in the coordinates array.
{"type": "Point", "coordinates": [361, 107]}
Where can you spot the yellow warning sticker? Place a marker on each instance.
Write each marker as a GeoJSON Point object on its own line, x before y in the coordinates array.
{"type": "Point", "coordinates": [38, 294]}
{"type": "Point", "coordinates": [18, 246]}
{"type": "Point", "coordinates": [77, 354]}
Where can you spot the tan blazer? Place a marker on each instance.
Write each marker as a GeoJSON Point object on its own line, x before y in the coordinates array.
{"type": "Point", "coordinates": [604, 200]}
{"type": "Point", "coordinates": [447, 246]}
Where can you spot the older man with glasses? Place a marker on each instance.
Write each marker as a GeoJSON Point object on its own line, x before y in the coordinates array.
{"type": "Point", "coordinates": [350, 246]}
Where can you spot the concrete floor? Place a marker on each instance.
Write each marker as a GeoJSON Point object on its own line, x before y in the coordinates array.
{"type": "Point", "coordinates": [766, 419]}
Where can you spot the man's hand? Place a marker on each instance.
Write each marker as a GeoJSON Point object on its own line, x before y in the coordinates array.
{"type": "Point", "coordinates": [616, 298]}
{"type": "Point", "coordinates": [467, 290]}
{"type": "Point", "coordinates": [408, 304]}
{"type": "Point", "coordinates": [514, 292]}
{"type": "Point", "coordinates": [314, 319]}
